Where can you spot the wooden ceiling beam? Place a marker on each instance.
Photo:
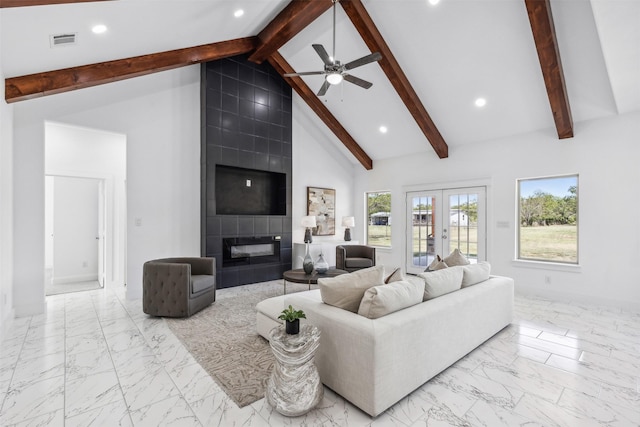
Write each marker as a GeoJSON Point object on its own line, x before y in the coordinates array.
{"type": "Point", "coordinates": [376, 43]}
{"type": "Point", "coordinates": [22, 3]}
{"type": "Point", "coordinates": [293, 19]}
{"type": "Point", "coordinates": [282, 66]}
{"type": "Point", "coordinates": [544, 35]}
{"type": "Point", "coordinates": [68, 79]}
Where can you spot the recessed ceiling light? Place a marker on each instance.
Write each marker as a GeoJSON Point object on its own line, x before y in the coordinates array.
{"type": "Point", "coordinates": [99, 29]}
{"type": "Point", "coordinates": [434, 2]}
{"type": "Point", "coordinates": [238, 13]}
{"type": "Point", "coordinates": [383, 129]}
{"type": "Point", "coordinates": [481, 102]}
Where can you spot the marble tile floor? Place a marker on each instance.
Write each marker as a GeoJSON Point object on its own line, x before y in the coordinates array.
{"type": "Point", "coordinates": [95, 359]}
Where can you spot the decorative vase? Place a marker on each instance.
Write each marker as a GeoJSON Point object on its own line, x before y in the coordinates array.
{"type": "Point", "coordinates": [307, 262]}
{"type": "Point", "coordinates": [321, 265]}
{"type": "Point", "coordinates": [292, 328]}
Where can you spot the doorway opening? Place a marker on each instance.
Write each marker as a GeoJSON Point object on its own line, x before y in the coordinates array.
{"type": "Point", "coordinates": [85, 209]}
{"type": "Point", "coordinates": [74, 226]}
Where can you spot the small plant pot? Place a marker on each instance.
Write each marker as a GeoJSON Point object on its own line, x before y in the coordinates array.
{"type": "Point", "coordinates": [293, 328]}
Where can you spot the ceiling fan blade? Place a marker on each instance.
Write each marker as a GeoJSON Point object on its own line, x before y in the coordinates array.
{"type": "Point", "coordinates": [323, 54]}
{"type": "Point", "coordinates": [357, 81]}
{"type": "Point", "coordinates": [324, 88]}
{"type": "Point", "coordinates": [376, 56]}
{"type": "Point", "coordinates": [304, 73]}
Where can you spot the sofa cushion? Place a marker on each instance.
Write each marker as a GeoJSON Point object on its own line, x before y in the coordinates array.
{"type": "Point", "coordinates": [346, 291]}
{"type": "Point", "coordinates": [395, 276]}
{"type": "Point", "coordinates": [358, 262]}
{"type": "Point", "coordinates": [456, 258]}
{"type": "Point", "coordinates": [437, 283]}
{"type": "Point", "coordinates": [381, 300]}
{"type": "Point", "coordinates": [202, 282]}
{"type": "Point", "coordinates": [475, 273]}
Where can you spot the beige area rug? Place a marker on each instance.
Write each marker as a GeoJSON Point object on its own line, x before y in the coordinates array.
{"type": "Point", "coordinates": [224, 341]}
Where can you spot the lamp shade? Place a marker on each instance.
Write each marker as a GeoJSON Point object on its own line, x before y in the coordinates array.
{"type": "Point", "coordinates": [308, 221]}
{"type": "Point", "coordinates": [348, 221]}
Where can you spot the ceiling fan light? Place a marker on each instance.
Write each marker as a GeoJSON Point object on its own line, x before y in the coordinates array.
{"type": "Point", "coordinates": [334, 78]}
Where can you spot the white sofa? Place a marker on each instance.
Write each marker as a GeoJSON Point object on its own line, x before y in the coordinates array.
{"type": "Point", "coordinates": [374, 363]}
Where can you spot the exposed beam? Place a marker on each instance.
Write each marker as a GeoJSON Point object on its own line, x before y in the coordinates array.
{"type": "Point", "coordinates": [68, 79]}
{"type": "Point", "coordinates": [21, 3]}
{"type": "Point", "coordinates": [376, 43]}
{"type": "Point", "coordinates": [282, 66]}
{"type": "Point", "coordinates": [293, 19]}
{"type": "Point", "coordinates": [544, 35]}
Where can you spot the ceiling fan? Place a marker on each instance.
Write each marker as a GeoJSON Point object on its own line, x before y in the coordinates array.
{"type": "Point", "coordinates": [334, 71]}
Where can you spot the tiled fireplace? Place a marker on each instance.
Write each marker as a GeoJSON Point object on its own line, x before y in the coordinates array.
{"type": "Point", "coordinates": [246, 171]}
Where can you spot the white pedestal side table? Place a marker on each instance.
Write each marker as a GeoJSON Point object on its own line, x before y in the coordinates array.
{"type": "Point", "coordinates": [294, 387]}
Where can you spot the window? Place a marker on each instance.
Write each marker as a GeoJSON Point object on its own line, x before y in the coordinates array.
{"type": "Point", "coordinates": [548, 219]}
{"type": "Point", "coordinates": [379, 219]}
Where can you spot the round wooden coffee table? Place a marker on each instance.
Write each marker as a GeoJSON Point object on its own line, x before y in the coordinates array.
{"type": "Point", "coordinates": [299, 276]}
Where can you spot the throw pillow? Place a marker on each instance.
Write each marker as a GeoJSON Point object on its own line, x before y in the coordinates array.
{"type": "Point", "coordinates": [381, 300]}
{"type": "Point", "coordinates": [456, 258]}
{"type": "Point", "coordinates": [437, 266]}
{"type": "Point", "coordinates": [434, 263]}
{"type": "Point", "coordinates": [346, 291]}
{"type": "Point", "coordinates": [396, 276]}
{"type": "Point", "coordinates": [437, 283]}
{"type": "Point", "coordinates": [475, 273]}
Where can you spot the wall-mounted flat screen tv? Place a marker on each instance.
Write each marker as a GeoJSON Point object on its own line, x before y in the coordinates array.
{"type": "Point", "coordinates": [241, 191]}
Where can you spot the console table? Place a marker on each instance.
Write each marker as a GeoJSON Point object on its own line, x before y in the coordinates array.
{"type": "Point", "coordinates": [294, 386]}
{"type": "Point", "coordinates": [299, 276]}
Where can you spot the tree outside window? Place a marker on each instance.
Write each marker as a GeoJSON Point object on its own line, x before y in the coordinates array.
{"type": "Point", "coordinates": [548, 219]}
{"type": "Point", "coordinates": [379, 219]}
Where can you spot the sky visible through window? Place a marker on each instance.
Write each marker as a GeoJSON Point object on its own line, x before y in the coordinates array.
{"type": "Point", "coordinates": [556, 186]}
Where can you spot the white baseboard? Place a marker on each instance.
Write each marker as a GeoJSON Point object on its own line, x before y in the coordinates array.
{"type": "Point", "coordinates": [576, 298]}
{"type": "Point", "coordinates": [59, 280]}
{"type": "Point", "coordinates": [7, 324]}
{"type": "Point", "coordinates": [29, 309]}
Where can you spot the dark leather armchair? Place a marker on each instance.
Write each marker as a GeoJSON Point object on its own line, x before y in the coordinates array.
{"type": "Point", "coordinates": [178, 287]}
{"type": "Point", "coordinates": [355, 257]}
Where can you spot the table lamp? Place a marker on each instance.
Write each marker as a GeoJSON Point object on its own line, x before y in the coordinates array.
{"type": "Point", "coordinates": [348, 222]}
{"type": "Point", "coordinates": [308, 222]}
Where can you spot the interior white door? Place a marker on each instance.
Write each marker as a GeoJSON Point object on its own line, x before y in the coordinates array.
{"type": "Point", "coordinates": [439, 221]}
{"type": "Point", "coordinates": [101, 233]}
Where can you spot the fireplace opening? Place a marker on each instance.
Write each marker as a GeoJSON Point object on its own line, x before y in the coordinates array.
{"type": "Point", "coordinates": [250, 250]}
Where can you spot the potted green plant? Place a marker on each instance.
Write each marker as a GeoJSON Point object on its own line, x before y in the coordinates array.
{"type": "Point", "coordinates": [292, 318]}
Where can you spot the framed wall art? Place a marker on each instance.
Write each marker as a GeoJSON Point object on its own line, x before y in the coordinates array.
{"type": "Point", "coordinates": [321, 203]}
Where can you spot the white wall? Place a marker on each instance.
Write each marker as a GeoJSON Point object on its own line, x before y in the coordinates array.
{"type": "Point", "coordinates": [75, 226]}
{"type": "Point", "coordinates": [83, 152]}
{"type": "Point", "coordinates": [604, 153]}
{"type": "Point", "coordinates": [317, 163]}
{"type": "Point", "coordinates": [160, 116]}
{"type": "Point", "coordinates": [6, 209]}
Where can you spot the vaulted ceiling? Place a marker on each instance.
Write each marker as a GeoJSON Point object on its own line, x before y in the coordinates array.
{"type": "Point", "coordinates": [538, 64]}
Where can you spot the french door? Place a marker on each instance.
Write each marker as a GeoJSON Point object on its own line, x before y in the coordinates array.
{"type": "Point", "coordinates": [439, 221]}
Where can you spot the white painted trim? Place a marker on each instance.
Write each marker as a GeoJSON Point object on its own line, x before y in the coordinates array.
{"type": "Point", "coordinates": [542, 265]}
{"type": "Point", "coordinates": [25, 310]}
{"type": "Point", "coordinates": [74, 279]}
{"type": "Point", "coordinates": [573, 298]}
{"type": "Point", "coordinates": [7, 324]}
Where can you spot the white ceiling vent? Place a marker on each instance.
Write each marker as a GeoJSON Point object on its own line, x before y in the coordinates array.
{"type": "Point", "coordinates": [66, 39]}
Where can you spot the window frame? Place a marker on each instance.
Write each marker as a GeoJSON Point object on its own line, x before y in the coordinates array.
{"type": "Point", "coordinates": [518, 256]}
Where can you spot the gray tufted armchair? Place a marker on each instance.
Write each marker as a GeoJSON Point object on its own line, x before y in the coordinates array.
{"type": "Point", "coordinates": [355, 257]}
{"type": "Point", "coordinates": [178, 287]}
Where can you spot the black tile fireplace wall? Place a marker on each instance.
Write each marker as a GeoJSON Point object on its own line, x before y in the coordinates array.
{"type": "Point", "coordinates": [246, 123]}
